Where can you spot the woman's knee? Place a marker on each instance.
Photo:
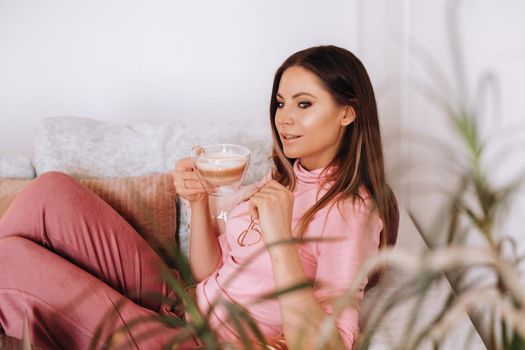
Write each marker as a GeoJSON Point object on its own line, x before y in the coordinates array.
{"type": "Point", "coordinates": [45, 194]}
{"type": "Point", "coordinates": [55, 179]}
{"type": "Point", "coordinates": [53, 184]}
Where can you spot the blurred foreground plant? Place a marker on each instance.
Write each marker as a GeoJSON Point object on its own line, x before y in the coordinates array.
{"type": "Point", "coordinates": [485, 275]}
{"type": "Point", "coordinates": [466, 238]}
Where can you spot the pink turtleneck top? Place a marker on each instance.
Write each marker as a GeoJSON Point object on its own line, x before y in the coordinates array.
{"type": "Point", "coordinates": [245, 273]}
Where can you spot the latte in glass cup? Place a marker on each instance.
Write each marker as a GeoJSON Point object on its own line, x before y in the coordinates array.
{"type": "Point", "coordinates": [221, 167]}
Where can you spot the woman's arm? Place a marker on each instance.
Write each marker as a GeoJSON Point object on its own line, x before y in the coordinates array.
{"type": "Point", "coordinates": [205, 252]}
{"type": "Point", "coordinates": [301, 312]}
{"type": "Point", "coordinates": [352, 234]}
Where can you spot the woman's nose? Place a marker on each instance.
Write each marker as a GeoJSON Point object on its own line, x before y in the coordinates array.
{"type": "Point", "coordinates": [283, 117]}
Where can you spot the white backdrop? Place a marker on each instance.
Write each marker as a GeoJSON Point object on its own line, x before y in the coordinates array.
{"type": "Point", "coordinates": [151, 61]}
{"type": "Point", "coordinates": [400, 40]}
{"type": "Point", "coordinates": [491, 36]}
{"type": "Point", "coordinates": [154, 61]}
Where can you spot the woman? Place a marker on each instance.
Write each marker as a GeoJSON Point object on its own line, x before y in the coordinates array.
{"type": "Point", "coordinates": [329, 183]}
{"type": "Point", "coordinates": [66, 257]}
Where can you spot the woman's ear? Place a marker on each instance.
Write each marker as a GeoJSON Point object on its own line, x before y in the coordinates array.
{"type": "Point", "coordinates": [348, 117]}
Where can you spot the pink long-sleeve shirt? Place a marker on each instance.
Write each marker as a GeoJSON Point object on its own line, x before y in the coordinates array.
{"type": "Point", "coordinates": [245, 273]}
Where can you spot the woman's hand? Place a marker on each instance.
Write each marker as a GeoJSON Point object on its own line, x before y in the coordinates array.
{"type": "Point", "coordinates": [271, 207]}
{"type": "Point", "coordinates": [186, 182]}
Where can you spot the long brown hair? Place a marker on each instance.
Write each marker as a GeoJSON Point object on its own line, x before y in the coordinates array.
{"type": "Point", "coordinates": [359, 158]}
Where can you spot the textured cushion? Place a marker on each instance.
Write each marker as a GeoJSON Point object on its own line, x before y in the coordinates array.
{"type": "Point", "coordinates": [146, 202]}
{"type": "Point", "coordinates": [9, 188]}
{"type": "Point", "coordinates": [90, 148]}
{"type": "Point", "coordinates": [16, 167]}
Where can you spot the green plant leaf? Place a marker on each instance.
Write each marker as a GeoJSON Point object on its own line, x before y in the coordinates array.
{"type": "Point", "coordinates": [517, 343]}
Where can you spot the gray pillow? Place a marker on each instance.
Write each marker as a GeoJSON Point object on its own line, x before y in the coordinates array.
{"type": "Point", "coordinates": [89, 148]}
{"type": "Point", "coordinates": [16, 167]}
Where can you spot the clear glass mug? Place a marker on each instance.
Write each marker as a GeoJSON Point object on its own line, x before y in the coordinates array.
{"type": "Point", "coordinates": [221, 169]}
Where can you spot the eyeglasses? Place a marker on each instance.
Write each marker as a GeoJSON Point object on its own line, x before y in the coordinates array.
{"type": "Point", "coordinates": [241, 239]}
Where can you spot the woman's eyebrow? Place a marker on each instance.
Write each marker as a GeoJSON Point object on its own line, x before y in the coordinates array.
{"type": "Point", "coordinates": [298, 94]}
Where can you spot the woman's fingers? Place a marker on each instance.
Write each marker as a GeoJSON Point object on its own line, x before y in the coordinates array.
{"type": "Point", "coordinates": [184, 164]}
{"type": "Point", "coordinates": [182, 178]}
{"type": "Point", "coordinates": [273, 195]}
{"type": "Point", "coordinates": [271, 186]}
{"type": "Point", "coordinates": [185, 174]}
{"type": "Point", "coordinates": [259, 201]}
{"type": "Point", "coordinates": [265, 195]}
{"type": "Point", "coordinates": [190, 184]}
{"type": "Point", "coordinates": [252, 206]}
{"type": "Point", "coordinates": [189, 187]}
{"type": "Point", "coordinates": [276, 186]}
{"type": "Point", "coordinates": [186, 181]}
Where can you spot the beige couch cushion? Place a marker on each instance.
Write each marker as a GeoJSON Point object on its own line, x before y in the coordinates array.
{"type": "Point", "coordinates": [146, 202]}
{"type": "Point", "coordinates": [9, 188]}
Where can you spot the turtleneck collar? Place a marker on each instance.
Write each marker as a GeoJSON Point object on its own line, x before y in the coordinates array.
{"type": "Point", "coordinates": [312, 176]}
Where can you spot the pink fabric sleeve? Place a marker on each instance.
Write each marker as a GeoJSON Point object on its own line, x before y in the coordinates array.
{"type": "Point", "coordinates": [356, 229]}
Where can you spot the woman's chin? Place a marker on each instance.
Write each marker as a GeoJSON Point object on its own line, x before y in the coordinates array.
{"type": "Point", "coordinates": [290, 154]}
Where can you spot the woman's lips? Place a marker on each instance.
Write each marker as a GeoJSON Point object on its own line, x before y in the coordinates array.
{"type": "Point", "coordinates": [287, 140]}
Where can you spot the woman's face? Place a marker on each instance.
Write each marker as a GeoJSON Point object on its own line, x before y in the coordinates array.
{"type": "Point", "coordinates": [305, 109]}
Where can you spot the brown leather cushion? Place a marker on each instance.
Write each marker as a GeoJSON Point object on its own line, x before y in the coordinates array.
{"type": "Point", "coordinates": [146, 202]}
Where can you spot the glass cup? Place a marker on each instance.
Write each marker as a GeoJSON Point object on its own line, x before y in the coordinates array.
{"type": "Point", "coordinates": [221, 169]}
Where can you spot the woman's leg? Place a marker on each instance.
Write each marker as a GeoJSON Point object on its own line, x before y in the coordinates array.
{"type": "Point", "coordinates": [58, 213]}
{"type": "Point", "coordinates": [64, 303]}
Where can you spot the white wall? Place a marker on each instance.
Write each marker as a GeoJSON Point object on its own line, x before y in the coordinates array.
{"type": "Point", "coordinates": [400, 40]}
{"type": "Point", "coordinates": [155, 61]}
{"type": "Point", "coordinates": [151, 61]}
{"type": "Point", "coordinates": [492, 38]}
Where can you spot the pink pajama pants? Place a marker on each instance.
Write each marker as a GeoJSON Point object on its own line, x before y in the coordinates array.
{"type": "Point", "coordinates": [66, 260]}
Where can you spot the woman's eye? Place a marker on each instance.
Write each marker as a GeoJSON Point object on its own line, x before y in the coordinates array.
{"type": "Point", "coordinates": [304, 104]}
{"type": "Point", "coordinates": [280, 104]}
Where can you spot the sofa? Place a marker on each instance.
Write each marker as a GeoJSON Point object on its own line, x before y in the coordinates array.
{"type": "Point", "coordinates": [129, 167]}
